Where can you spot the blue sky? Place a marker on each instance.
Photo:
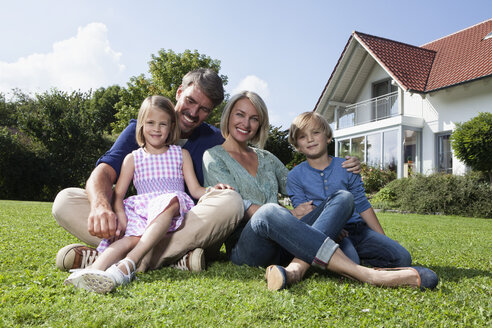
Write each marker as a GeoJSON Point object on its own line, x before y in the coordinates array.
{"type": "Point", "coordinates": [284, 50]}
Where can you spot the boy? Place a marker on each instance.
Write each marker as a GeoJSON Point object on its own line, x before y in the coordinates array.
{"type": "Point", "coordinates": [320, 176]}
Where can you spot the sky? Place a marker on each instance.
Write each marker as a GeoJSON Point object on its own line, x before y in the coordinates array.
{"type": "Point", "coordinates": [283, 50]}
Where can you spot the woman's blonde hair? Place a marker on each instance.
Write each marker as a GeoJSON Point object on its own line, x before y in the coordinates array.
{"type": "Point", "coordinates": [161, 103]}
{"type": "Point", "coordinates": [304, 120]}
{"type": "Point", "coordinates": [261, 136]}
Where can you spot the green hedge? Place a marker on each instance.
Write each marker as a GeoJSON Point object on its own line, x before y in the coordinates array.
{"type": "Point", "coordinates": [375, 178]}
{"type": "Point", "coordinates": [468, 195]}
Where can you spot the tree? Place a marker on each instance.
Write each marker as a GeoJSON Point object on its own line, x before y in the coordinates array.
{"type": "Point", "coordinates": [472, 143]}
{"type": "Point", "coordinates": [166, 69]}
{"type": "Point", "coordinates": [102, 107]}
{"type": "Point", "coordinates": [62, 130]}
{"type": "Point", "coordinates": [278, 144]}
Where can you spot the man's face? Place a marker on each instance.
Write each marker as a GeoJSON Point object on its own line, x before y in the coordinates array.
{"type": "Point", "coordinates": [192, 107]}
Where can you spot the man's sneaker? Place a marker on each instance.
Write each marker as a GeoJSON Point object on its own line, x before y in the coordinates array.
{"type": "Point", "coordinates": [193, 261]}
{"type": "Point", "coordinates": [75, 256]}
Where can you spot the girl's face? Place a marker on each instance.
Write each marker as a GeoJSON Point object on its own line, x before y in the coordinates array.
{"type": "Point", "coordinates": [244, 121]}
{"type": "Point", "coordinates": [312, 141]}
{"type": "Point", "coordinates": [156, 128]}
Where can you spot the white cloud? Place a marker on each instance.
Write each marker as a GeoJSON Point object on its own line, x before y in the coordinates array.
{"type": "Point", "coordinates": [276, 115]}
{"type": "Point", "coordinates": [82, 62]}
{"type": "Point", "coordinates": [255, 84]}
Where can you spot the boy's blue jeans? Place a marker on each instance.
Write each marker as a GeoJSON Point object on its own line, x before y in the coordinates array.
{"type": "Point", "coordinates": [368, 247]}
{"type": "Point", "coordinates": [273, 235]}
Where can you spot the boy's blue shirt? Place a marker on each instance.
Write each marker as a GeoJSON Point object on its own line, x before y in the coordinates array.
{"type": "Point", "coordinates": [203, 137]}
{"type": "Point", "coordinates": [305, 183]}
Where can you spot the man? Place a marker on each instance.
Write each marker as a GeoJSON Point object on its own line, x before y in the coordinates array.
{"type": "Point", "coordinates": [89, 216]}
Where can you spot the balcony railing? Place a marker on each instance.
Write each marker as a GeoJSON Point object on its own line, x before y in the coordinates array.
{"type": "Point", "coordinates": [371, 110]}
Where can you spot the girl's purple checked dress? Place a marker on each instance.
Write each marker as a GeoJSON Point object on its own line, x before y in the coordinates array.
{"type": "Point", "coordinates": [158, 179]}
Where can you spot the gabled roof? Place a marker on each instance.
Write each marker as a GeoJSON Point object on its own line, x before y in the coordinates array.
{"type": "Point", "coordinates": [461, 57]}
{"type": "Point", "coordinates": [409, 65]}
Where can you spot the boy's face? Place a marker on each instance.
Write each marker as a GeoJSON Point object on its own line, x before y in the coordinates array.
{"type": "Point", "coordinates": [312, 142]}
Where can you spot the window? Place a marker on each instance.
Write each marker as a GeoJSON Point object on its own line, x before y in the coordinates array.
{"type": "Point", "coordinates": [488, 36]}
{"type": "Point", "coordinates": [410, 144]}
{"type": "Point", "coordinates": [384, 106]}
{"type": "Point", "coordinates": [390, 149]}
{"type": "Point", "coordinates": [344, 148]}
{"type": "Point", "coordinates": [358, 147]}
{"type": "Point", "coordinates": [444, 154]}
{"type": "Point", "coordinates": [374, 150]}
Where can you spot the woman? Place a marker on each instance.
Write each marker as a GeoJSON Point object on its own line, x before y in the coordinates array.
{"type": "Point", "coordinates": [271, 234]}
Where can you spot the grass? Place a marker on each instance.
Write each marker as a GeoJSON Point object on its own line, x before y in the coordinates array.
{"type": "Point", "coordinates": [32, 293]}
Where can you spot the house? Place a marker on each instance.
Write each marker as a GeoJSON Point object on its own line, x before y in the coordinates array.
{"type": "Point", "coordinates": [395, 105]}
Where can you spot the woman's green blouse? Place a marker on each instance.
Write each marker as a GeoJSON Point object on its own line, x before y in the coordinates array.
{"type": "Point", "coordinates": [270, 179]}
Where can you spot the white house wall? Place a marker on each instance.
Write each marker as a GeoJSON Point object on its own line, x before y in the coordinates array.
{"type": "Point", "coordinates": [442, 109]}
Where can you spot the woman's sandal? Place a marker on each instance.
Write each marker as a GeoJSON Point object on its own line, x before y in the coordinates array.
{"type": "Point", "coordinates": [276, 277]}
{"type": "Point", "coordinates": [427, 279]}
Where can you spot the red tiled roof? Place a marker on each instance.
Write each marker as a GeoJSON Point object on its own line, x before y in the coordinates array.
{"type": "Point", "coordinates": [408, 64]}
{"type": "Point", "coordinates": [460, 57]}
{"type": "Point", "coordinates": [454, 59]}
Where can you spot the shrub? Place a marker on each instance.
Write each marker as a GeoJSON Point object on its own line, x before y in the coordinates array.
{"type": "Point", "coordinates": [472, 143]}
{"type": "Point", "coordinates": [468, 195]}
{"type": "Point", "coordinates": [23, 171]}
{"type": "Point", "coordinates": [375, 178]}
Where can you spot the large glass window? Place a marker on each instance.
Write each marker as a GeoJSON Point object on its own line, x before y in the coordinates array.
{"type": "Point", "coordinates": [344, 148]}
{"type": "Point", "coordinates": [374, 150]}
{"type": "Point", "coordinates": [358, 147]}
{"type": "Point", "coordinates": [390, 149]}
{"type": "Point", "coordinates": [410, 142]}
{"type": "Point", "coordinates": [444, 155]}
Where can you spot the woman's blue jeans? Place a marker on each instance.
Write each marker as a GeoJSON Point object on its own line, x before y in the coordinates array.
{"type": "Point", "coordinates": [273, 231]}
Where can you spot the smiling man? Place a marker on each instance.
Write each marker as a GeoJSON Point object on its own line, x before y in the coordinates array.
{"type": "Point", "coordinates": [89, 216]}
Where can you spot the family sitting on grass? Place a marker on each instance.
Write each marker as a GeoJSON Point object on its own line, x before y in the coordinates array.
{"type": "Point", "coordinates": [332, 225]}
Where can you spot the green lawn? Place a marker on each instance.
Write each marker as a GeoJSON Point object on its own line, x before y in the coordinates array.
{"type": "Point", "coordinates": [458, 249]}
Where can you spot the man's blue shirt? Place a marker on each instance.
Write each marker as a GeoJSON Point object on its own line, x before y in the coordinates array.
{"type": "Point", "coordinates": [305, 183]}
{"type": "Point", "coordinates": [203, 137]}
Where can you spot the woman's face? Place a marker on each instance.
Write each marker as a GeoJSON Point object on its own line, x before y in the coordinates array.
{"type": "Point", "coordinates": [244, 121]}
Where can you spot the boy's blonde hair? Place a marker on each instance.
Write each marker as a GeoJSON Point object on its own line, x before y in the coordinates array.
{"type": "Point", "coordinates": [304, 120]}
{"type": "Point", "coordinates": [161, 103]}
{"type": "Point", "coordinates": [261, 136]}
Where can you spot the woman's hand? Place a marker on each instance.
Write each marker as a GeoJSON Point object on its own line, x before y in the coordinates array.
{"type": "Point", "coordinates": [221, 186]}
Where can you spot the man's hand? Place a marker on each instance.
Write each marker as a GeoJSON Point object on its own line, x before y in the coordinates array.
{"type": "Point", "coordinates": [352, 164]}
{"type": "Point", "coordinates": [102, 222]}
{"type": "Point", "coordinates": [102, 219]}
{"type": "Point", "coordinates": [303, 209]}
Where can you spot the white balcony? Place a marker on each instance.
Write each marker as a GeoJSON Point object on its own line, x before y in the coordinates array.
{"type": "Point", "coordinates": [367, 111]}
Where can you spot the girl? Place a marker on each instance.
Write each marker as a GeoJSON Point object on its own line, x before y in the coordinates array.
{"type": "Point", "coordinates": [157, 169]}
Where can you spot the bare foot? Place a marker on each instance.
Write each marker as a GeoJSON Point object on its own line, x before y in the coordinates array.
{"type": "Point", "coordinates": [394, 277]}
{"type": "Point", "coordinates": [295, 271]}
